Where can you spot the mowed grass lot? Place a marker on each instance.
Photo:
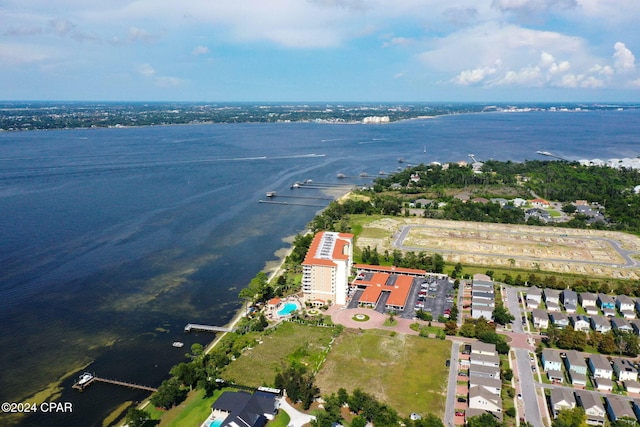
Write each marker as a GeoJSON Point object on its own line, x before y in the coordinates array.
{"type": "Point", "coordinates": [404, 371]}
{"type": "Point", "coordinates": [289, 342]}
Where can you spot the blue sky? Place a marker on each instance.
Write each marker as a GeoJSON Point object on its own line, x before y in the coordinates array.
{"type": "Point", "coordinates": [320, 50]}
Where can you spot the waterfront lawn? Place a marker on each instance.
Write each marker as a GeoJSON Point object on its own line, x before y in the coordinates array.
{"type": "Point", "coordinates": [288, 343]}
{"type": "Point", "coordinates": [406, 372]}
{"type": "Point", "coordinates": [192, 412]}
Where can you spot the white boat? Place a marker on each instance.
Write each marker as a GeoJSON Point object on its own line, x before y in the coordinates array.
{"type": "Point", "coordinates": [178, 344]}
{"type": "Point", "coordinates": [85, 378]}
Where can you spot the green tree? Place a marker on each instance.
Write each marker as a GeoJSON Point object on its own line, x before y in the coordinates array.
{"type": "Point", "coordinates": [501, 315]}
{"type": "Point", "coordinates": [429, 420]}
{"type": "Point", "coordinates": [136, 417]}
{"type": "Point", "coordinates": [570, 418]}
{"type": "Point", "coordinates": [169, 394]}
{"type": "Point", "coordinates": [484, 420]}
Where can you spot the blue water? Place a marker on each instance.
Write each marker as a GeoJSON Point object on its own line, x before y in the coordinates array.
{"type": "Point", "coordinates": [213, 423]}
{"type": "Point", "coordinates": [287, 309]}
{"type": "Point", "coordinates": [114, 239]}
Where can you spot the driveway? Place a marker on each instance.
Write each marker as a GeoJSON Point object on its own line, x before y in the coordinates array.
{"type": "Point", "coordinates": [298, 419]}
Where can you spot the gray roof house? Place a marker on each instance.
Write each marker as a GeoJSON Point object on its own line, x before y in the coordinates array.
{"type": "Point", "coordinates": [575, 362]}
{"type": "Point", "coordinates": [593, 408]}
{"type": "Point", "coordinates": [635, 324]}
{"type": "Point", "coordinates": [484, 371]}
{"type": "Point", "coordinates": [580, 322]}
{"type": "Point", "coordinates": [577, 378]}
{"type": "Point", "coordinates": [600, 366]}
{"type": "Point", "coordinates": [569, 300]}
{"type": "Point", "coordinates": [624, 369]}
{"type": "Point", "coordinates": [553, 306]}
{"type": "Point", "coordinates": [540, 318]}
{"type": "Point", "coordinates": [492, 385]}
{"type": "Point", "coordinates": [551, 360]}
{"type": "Point", "coordinates": [620, 324]}
{"type": "Point", "coordinates": [624, 303]}
{"type": "Point", "coordinates": [561, 398]}
{"type": "Point", "coordinates": [482, 400]}
{"type": "Point", "coordinates": [587, 299]}
{"type": "Point", "coordinates": [484, 360]}
{"type": "Point", "coordinates": [618, 407]}
{"type": "Point", "coordinates": [534, 297]}
{"type": "Point", "coordinates": [483, 348]}
{"type": "Point", "coordinates": [551, 295]}
{"type": "Point", "coordinates": [605, 301]}
{"type": "Point", "coordinates": [560, 320]}
{"type": "Point", "coordinates": [600, 324]}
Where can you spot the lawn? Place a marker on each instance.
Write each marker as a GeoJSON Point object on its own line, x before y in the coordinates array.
{"type": "Point", "coordinates": [290, 342]}
{"type": "Point", "coordinates": [192, 412]}
{"type": "Point", "coordinates": [406, 372]}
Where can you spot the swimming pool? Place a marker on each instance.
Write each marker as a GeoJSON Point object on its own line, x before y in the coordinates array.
{"type": "Point", "coordinates": [288, 308]}
{"type": "Point", "coordinates": [213, 423]}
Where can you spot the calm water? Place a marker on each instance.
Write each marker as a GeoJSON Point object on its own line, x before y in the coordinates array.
{"type": "Point", "coordinates": [114, 239]}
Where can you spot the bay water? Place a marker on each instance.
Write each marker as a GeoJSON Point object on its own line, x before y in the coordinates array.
{"type": "Point", "coordinates": [112, 240]}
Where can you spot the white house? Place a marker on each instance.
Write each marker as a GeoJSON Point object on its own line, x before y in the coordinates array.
{"type": "Point", "coordinates": [580, 322]}
{"type": "Point", "coordinates": [492, 385]}
{"type": "Point", "coordinates": [486, 349]}
{"type": "Point", "coordinates": [600, 366]}
{"type": "Point", "coordinates": [480, 399]}
{"type": "Point", "coordinates": [560, 399]}
{"type": "Point", "coordinates": [540, 318]}
{"type": "Point", "coordinates": [551, 360]}
{"type": "Point", "coordinates": [624, 303]}
{"type": "Point", "coordinates": [624, 369]}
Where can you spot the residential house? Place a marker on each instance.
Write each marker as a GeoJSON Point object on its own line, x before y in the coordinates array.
{"type": "Point", "coordinates": [635, 324]}
{"type": "Point", "coordinates": [540, 318]}
{"type": "Point", "coordinates": [605, 301]}
{"type": "Point", "coordinates": [239, 408]}
{"type": "Point", "coordinates": [609, 312]}
{"type": "Point", "coordinates": [632, 386]}
{"type": "Point", "coordinates": [637, 305]}
{"type": "Point", "coordinates": [629, 315]}
{"type": "Point", "coordinates": [600, 366]}
{"type": "Point", "coordinates": [484, 360]}
{"type": "Point", "coordinates": [556, 377]}
{"type": "Point", "coordinates": [561, 398]}
{"type": "Point", "coordinates": [484, 371]}
{"type": "Point", "coordinates": [624, 303]}
{"type": "Point", "coordinates": [492, 385]}
{"type": "Point", "coordinates": [483, 401]}
{"type": "Point", "coordinates": [551, 360]}
{"type": "Point", "coordinates": [617, 408]}
{"type": "Point", "coordinates": [479, 309]}
{"type": "Point", "coordinates": [574, 362]}
{"type": "Point", "coordinates": [534, 297]}
{"type": "Point", "coordinates": [603, 384]}
{"type": "Point", "coordinates": [624, 369]}
{"type": "Point", "coordinates": [620, 324]}
{"type": "Point", "coordinates": [486, 349]}
{"type": "Point", "coordinates": [587, 299]}
{"type": "Point", "coordinates": [553, 306]}
{"type": "Point", "coordinates": [569, 300]}
{"type": "Point", "coordinates": [577, 379]}
{"type": "Point", "coordinates": [559, 320]}
{"type": "Point", "coordinates": [600, 324]}
{"type": "Point", "coordinates": [593, 408]}
{"type": "Point", "coordinates": [580, 322]}
{"type": "Point", "coordinates": [551, 295]}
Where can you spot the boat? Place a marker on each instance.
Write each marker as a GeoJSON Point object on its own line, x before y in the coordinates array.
{"type": "Point", "coordinates": [382, 173]}
{"type": "Point", "coordinates": [364, 175]}
{"type": "Point", "coordinates": [296, 185]}
{"type": "Point", "coordinates": [544, 153]}
{"type": "Point", "coordinates": [341, 176]}
{"type": "Point", "coordinates": [400, 160]}
{"type": "Point", "coordinates": [84, 379]}
{"type": "Point", "coordinates": [271, 194]}
{"type": "Point", "coordinates": [178, 344]}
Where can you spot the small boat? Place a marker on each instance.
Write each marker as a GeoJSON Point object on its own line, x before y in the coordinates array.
{"type": "Point", "coordinates": [341, 176]}
{"type": "Point", "coordinates": [178, 344]}
{"type": "Point", "coordinates": [364, 175]}
{"type": "Point", "coordinates": [296, 185]}
{"type": "Point", "coordinates": [84, 379]}
{"type": "Point", "coordinates": [271, 194]}
{"type": "Point", "coordinates": [382, 173]}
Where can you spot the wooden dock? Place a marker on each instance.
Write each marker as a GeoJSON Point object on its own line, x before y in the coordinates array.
{"type": "Point", "coordinates": [81, 387]}
{"type": "Point", "coordinates": [206, 328]}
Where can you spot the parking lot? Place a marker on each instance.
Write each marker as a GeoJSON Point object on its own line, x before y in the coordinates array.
{"type": "Point", "coordinates": [434, 296]}
{"type": "Point", "coordinates": [430, 294]}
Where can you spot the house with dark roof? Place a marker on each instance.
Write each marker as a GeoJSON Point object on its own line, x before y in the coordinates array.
{"type": "Point", "coordinates": [587, 299]}
{"type": "Point", "coordinates": [561, 398]}
{"type": "Point", "coordinates": [605, 301]}
{"type": "Point", "coordinates": [242, 409]}
{"type": "Point", "coordinates": [540, 318]}
{"type": "Point", "coordinates": [569, 300]}
{"type": "Point", "coordinates": [624, 303]}
{"type": "Point", "coordinates": [575, 362]}
{"type": "Point", "coordinates": [600, 324]}
{"type": "Point", "coordinates": [593, 408]}
{"type": "Point", "coordinates": [559, 320]}
{"type": "Point", "coordinates": [551, 295]}
{"type": "Point", "coordinates": [620, 324]}
{"type": "Point", "coordinates": [618, 408]}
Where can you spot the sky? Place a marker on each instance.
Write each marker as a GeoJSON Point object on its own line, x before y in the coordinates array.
{"type": "Point", "coordinates": [320, 50]}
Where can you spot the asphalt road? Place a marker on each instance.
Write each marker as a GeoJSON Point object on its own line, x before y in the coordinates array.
{"type": "Point", "coordinates": [528, 388]}
{"type": "Point", "coordinates": [453, 382]}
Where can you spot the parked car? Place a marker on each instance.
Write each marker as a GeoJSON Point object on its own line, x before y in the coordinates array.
{"type": "Point", "coordinates": [459, 413]}
{"type": "Point", "coordinates": [462, 399]}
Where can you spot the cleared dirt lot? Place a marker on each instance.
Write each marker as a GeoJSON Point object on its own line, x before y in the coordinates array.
{"type": "Point", "coordinates": [590, 252]}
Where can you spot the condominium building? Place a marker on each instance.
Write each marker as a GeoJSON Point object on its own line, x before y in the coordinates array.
{"type": "Point", "coordinates": [326, 268]}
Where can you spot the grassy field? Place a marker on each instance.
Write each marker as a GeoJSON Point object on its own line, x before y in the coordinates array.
{"type": "Point", "coordinates": [290, 342]}
{"type": "Point", "coordinates": [405, 371]}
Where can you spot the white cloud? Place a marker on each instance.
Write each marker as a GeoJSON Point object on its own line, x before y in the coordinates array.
{"type": "Point", "coordinates": [624, 61]}
{"type": "Point", "coordinates": [62, 27]}
{"type": "Point", "coordinates": [16, 54]}
{"type": "Point", "coordinates": [146, 70]}
{"type": "Point", "coordinates": [397, 41]}
{"type": "Point", "coordinates": [200, 50]}
{"type": "Point", "coordinates": [528, 6]}
{"type": "Point", "coordinates": [471, 77]}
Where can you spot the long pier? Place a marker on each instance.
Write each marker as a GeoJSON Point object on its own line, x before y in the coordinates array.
{"type": "Point", "coordinates": [206, 328]}
{"type": "Point", "coordinates": [82, 386]}
{"type": "Point", "coordinates": [272, 202]}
